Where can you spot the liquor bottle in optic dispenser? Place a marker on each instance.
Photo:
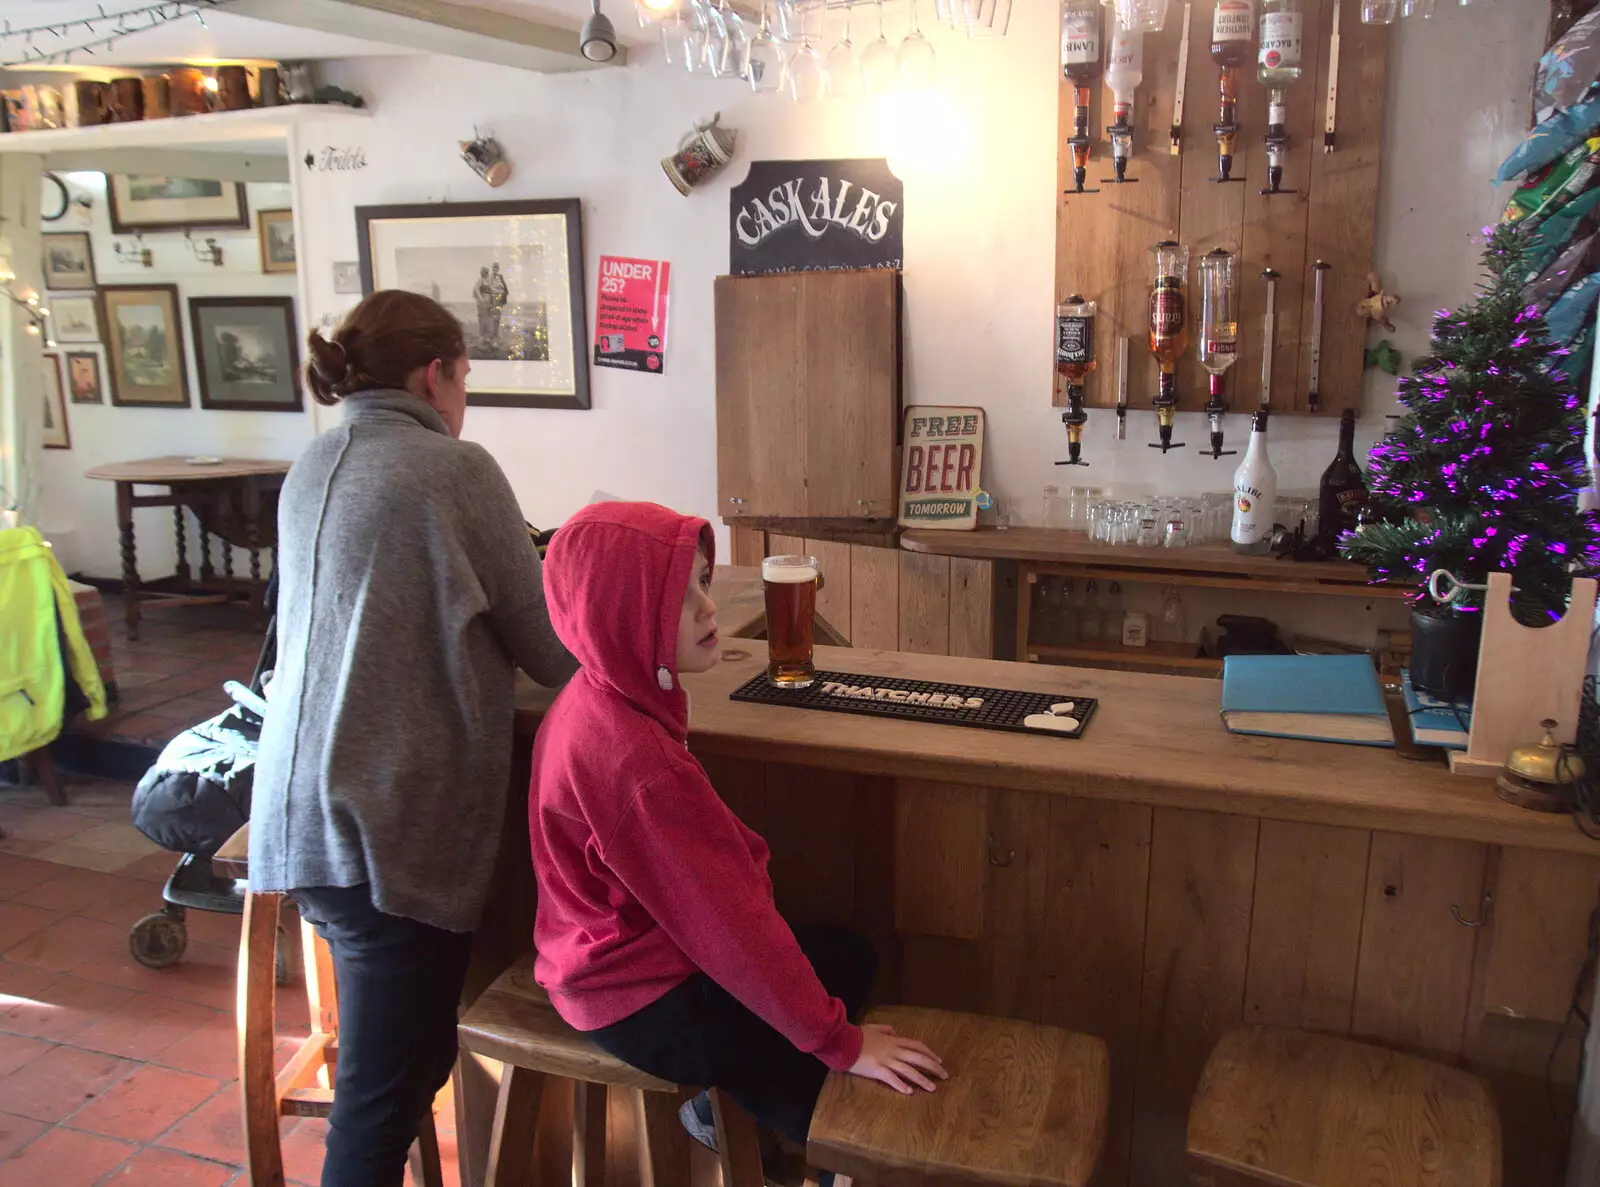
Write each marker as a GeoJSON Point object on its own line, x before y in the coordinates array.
{"type": "Point", "coordinates": [1074, 363]}
{"type": "Point", "coordinates": [1219, 335]}
{"type": "Point", "coordinates": [1169, 333]}
{"type": "Point", "coordinates": [1233, 28]}
{"type": "Point", "coordinates": [1124, 73]}
{"type": "Point", "coordinates": [1278, 68]}
{"type": "Point", "coordinates": [1080, 65]}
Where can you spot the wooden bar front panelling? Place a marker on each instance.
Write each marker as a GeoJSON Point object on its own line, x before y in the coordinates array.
{"type": "Point", "coordinates": [939, 869]}
{"type": "Point", "coordinates": [1538, 932]}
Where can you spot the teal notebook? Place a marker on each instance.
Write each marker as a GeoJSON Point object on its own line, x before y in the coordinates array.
{"type": "Point", "coordinates": [1435, 722]}
{"type": "Point", "coordinates": [1320, 698]}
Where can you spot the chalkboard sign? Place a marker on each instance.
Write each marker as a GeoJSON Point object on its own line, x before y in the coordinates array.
{"type": "Point", "coordinates": [802, 216]}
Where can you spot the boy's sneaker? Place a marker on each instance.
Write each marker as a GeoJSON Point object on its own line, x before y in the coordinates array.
{"type": "Point", "coordinates": [698, 1121]}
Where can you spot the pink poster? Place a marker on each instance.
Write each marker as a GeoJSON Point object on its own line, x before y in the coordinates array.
{"type": "Point", "coordinates": [630, 323]}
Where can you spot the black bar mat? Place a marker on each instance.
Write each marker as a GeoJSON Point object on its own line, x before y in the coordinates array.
{"type": "Point", "coordinates": [996, 708]}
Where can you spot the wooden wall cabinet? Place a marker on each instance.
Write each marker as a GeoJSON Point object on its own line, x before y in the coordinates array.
{"type": "Point", "coordinates": [808, 407]}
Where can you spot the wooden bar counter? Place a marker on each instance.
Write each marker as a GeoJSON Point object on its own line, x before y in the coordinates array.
{"type": "Point", "coordinates": [1155, 882]}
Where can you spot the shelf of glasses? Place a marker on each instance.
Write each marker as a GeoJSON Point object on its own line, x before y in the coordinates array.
{"type": "Point", "coordinates": [1166, 657]}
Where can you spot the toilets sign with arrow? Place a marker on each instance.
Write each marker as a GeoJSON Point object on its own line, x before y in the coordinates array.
{"type": "Point", "coordinates": [630, 324]}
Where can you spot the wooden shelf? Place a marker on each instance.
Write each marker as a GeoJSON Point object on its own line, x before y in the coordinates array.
{"type": "Point", "coordinates": [1165, 657]}
{"type": "Point", "coordinates": [1054, 550]}
{"type": "Point", "coordinates": [258, 129]}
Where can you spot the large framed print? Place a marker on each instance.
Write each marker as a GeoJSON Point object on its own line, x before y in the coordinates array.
{"type": "Point", "coordinates": [144, 346]}
{"type": "Point", "coordinates": [140, 203]}
{"type": "Point", "coordinates": [511, 273]}
{"type": "Point", "coordinates": [245, 353]}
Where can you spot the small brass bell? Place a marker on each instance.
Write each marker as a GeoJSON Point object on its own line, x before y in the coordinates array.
{"type": "Point", "coordinates": [1541, 777]}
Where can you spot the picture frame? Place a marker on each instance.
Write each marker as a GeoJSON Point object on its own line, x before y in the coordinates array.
{"type": "Point", "coordinates": [68, 260]}
{"type": "Point", "coordinates": [77, 318]}
{"type": "Point", "coordinates": [57, 434]}
{"type": "Point", "coordinates": [86, 382]}
{"type": "Point", "coordinates": [145, 359]}
{"type": "Point", "coordinates": [512, 273]}
{"type": "Point", "coordinates": [246, 353]}
{"type": "Point", "coordinates": [142, 203]}
{"type": "Point", "coordinates": [276, 231]}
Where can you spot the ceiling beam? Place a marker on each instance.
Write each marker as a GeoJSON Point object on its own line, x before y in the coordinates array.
{"type": "Point", "coordinates": [435, 26]}
{"type": "Point", "coordinates": [174, 162]}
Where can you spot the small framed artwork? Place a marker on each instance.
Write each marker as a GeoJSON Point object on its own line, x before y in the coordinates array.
{"type": "Point", "coordinates": [144, 346]}
{"type": "Point", "coordinates": [245, 352]}
{"type": "Point", "coordinates": [68, 260]}
{"type": "Point", "coordinates": [56, 433]}
{"type": "Point", "coordinates": [84, 381]}
{"type": "Point", "coordinates": [75, 317]}
{"type": "Point", "coordinates": [511, 272]}
{"type": "Point", "coordinates": [276, 228]}
{"type": "Point", "coordinates": [141, 203]}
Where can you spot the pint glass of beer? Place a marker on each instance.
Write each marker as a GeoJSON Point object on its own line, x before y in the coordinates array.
{"type": "Point", "coordinates": [791, 584]}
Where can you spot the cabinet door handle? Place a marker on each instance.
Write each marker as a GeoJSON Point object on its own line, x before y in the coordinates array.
{"type": "Point", "coordinates": [736, 501]}
{"type": "Point", "coordinates": [1483, 913]}
{"type": "Point", "coordinates": [1011, 855]}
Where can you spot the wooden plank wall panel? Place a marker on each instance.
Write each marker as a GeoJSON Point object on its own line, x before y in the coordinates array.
{"type": "Point", "coordinates": [1097, 883]}
{"type": "Point", "coordinates": [833, 599]}
{"type": "Point", "coordinates": [971, 608]}
{"type": "Point", "coordinates": [942, 974]}
{"type": "Point", "coordinates": [924, 603]}
{"type": "Point", "coordinates": [1197, 931]}
{"type": "Point", "coordinates": [875, 875]}
{"type": "Point", "coordinates": [742, 784]}
{"type": "Point", "coordinates": [939, 859]}
{"type": "Point", "coordinates": [1415, 966]}
{"type": "Point", "coordinates": [749, 546]}
{"type": "Point", "coordinates": [1343, 207]}
{"type": "Point", "coordinates": [1016, 934]}
{"type": "Point", "coordinates": [761, 420]}
{"type": "Point", "coordinates": [874, 597]}
{"type": "Point", "coordinates": [1538, 932]}
{"type": "Point", "coordinates": [812, 815]}
{"type": "Point", "coordinates": [1305, 930]}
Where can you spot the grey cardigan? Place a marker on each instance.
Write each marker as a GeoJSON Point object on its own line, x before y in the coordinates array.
{"type": "Point", "coordinates": [408, 593]}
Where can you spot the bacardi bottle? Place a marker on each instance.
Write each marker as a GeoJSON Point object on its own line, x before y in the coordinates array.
{"type": "Point", "coordinates": [1278, 66]}
{"type": "Point", "coordinates": [1255, 491]}
{"type": "Point", "coordinates": [1343, 490]}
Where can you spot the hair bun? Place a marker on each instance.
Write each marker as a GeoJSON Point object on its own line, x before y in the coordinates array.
{"type": "Point", "coordinates": [328, 359]}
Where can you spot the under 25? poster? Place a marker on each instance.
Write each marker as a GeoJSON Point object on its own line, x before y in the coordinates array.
{"type": "Point", "coordinates": [630, 324]}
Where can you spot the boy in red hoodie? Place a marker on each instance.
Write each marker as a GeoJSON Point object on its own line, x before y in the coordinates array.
{"type": "Point", "coordinates": [656, 930]}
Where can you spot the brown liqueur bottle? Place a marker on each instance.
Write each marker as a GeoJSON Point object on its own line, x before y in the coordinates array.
{"type": "Point", "coordinates": [1343, 491]}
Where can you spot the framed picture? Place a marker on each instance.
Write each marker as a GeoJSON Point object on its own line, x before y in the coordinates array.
{"type": "Point", "coordinates": [68, 260]}
{"type": "Point", "coordinates": [144, 346]}
{"type": "Point", "coordinates": [56, 433]}
{"type": "Point", "coordinates": [85, 384]}
{"type": "Point", "coordinates": [511, 272]}
{"type": "Point", "coordinates": [140, 203]}
{"type": "Point", "coordinates": [75, 317]}
{"type": "Point", "coordinates": [276, 228]}
{"type": "Point", "coordinates": [244, 350]}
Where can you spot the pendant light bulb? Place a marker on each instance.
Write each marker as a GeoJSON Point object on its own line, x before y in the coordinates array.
{"type": "Point", "coordinates": [597, 40]}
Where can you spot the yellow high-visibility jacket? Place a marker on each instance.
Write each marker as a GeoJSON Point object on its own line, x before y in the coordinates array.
{"type": "Point", "coordinates": [33, 687]}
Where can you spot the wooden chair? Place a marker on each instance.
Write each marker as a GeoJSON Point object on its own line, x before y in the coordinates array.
{"type": "Point", "coordinates": [1292, 1109]}
{"type": "Point", "coordinates": [514, 1022]}
{"type": "Point", "coordinates": [1025, 1106]}
{"type": "Point", "coordinates": [46, 774]}
{"type": "Point", "coordinates": [305, 1086]}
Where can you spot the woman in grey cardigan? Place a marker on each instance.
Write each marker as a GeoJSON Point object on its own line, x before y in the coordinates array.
{"type": "Point", "coordinates": [409, 592]}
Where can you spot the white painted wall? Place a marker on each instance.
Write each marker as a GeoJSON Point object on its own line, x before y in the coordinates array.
{"type": "Point", "coordinates": [79, 516]}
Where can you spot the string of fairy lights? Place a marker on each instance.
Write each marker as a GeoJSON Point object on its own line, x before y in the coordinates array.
{"type": "Point", "coordinates": [57, 42]}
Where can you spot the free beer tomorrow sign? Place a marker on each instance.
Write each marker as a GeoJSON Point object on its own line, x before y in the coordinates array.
{"type": "Point", "coordinates": [940, 467]}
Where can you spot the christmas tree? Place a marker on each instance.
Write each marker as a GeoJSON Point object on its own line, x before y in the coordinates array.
{"type": "Point", "coordinates": [1483, 471]}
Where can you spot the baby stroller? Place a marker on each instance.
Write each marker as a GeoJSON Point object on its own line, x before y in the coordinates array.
{"type": "Point", "coordinates": [192, 800]}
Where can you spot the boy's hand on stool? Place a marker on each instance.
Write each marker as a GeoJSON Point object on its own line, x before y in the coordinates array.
{"type": "Point", "coordinates": [895, 1060]}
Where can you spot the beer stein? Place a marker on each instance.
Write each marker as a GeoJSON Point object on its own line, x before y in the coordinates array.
{"type": "Point", "coordinates": [700, 154]}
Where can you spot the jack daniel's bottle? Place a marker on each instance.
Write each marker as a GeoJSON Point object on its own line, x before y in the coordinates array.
{"type": "Point", "coordinates": [1344, 489]}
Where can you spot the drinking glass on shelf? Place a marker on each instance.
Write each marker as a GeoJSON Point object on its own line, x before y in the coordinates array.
{"type": "Point", "coordinates": [915, 57]}
{"type": "Point", "coordinates": [1416, 8]}
{"type": "Point", "coordinates": [1078, 508]}
{"type": "Point", "coordinates": [1066, 620]}
{"type": "Point", "coordinates": [1379, 12]}
{"type": "Point", "coordinates": [880, 69]}
{"type": "Point", "coordinates": [1111, 614]}
{"type": "Point", "coordinates": [1052, 505]}
{"type": "Point", "coordinates": [1172, 626]}
{"type": "Point", "coordinates": [844, 74]}
{"type": "Point", "coordinates": [1149, 533]}
{"type": "Point", "coordinates": [764, 61]}
{"type": "Point", "coordinates": [1176, 532]}
{"type": "Point", "coordinates": [1089, 613]}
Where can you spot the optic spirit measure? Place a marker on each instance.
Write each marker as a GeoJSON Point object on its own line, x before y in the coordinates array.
{"type": "Point", "coordinates": [1278, 67]}
{"type": "Point", "coordinates": [1219, 336]}
{"type": "Point", "coordinates": [1074, 363]}
{"type": "Point", "coordinates": [1232, 31]}
{"type": "Point", "coordinates": [1080, 65]}
{"type": "Point", "coordinates": [1169, 334]}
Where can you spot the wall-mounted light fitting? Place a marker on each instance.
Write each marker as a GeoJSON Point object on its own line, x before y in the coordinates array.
{"type": "Point", "coordinates": [133, 253]}
{"type": "Point", "coordinates": [209, 253]}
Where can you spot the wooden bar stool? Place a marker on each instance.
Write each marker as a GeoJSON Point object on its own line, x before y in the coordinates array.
{"type": "Point", "coordinates": [305, 1086]}
{"type": "Point", "coordinates": [1292, 1109]}
{"type": "Point", "coordinates": [1025, 1106]}
{"type": "Point", "coordinates": [514, 1022]}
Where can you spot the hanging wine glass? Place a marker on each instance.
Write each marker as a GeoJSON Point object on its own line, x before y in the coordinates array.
{"type": "Point", "coordinates": [915, 57]}
{"type": "Point", "coordinates": [879, 69]}
{"type": "Point", "coordinates": [805, 69]}
{"type": "Point", "coordinates": [694, 38]}
{"type": "Point", "coordinates": [716, 42]}
{"type": "Point", "coordinates": [764, 66]}
{"type": "Point", "coordinates": [673, 28]}
{"type": "Point", "coordinates": [844, 75]}
{"type": "Point", "coordinates": [736, 57]}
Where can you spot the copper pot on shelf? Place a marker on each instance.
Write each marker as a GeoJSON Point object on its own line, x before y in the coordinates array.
{"type": "Point", "coordinates": [190, 96]}
{"type": "Point", "coordinates": [126, 100]}
{"type": "Point", "coordinates": [91, 103]}
{"type": "Point", "coordinates": [233, 88]}
{"type": "Point", "coordinates": [157, 100]}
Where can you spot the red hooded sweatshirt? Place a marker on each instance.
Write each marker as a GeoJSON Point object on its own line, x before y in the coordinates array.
{"type": "Point", "coordinates": [645, 876]}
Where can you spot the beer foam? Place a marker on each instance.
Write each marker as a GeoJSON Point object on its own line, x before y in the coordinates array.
{"type": "Point", "coordinates": [788, 574]}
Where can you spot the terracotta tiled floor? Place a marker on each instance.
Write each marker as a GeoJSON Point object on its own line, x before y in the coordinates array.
{"type": "Point", "coordinates": [112, 1073]}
